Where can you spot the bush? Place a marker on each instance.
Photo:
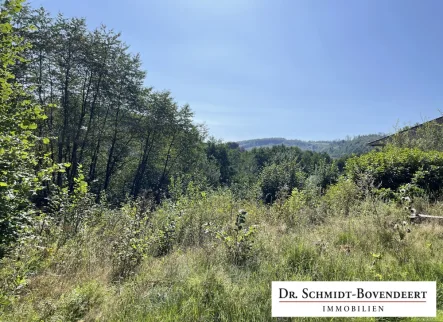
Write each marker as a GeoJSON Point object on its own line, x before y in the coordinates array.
{"type": "Point", "coordinates": [340, 197]}
{"type": "Point", "coordinates": [277, 180]}
{"type": "Point", "coordinates": [394, 167]}
{"type": "Point", "coordinates": [296, 201]}
{"type": "Point", "coordinates": [238, 240]}
{"type": "Point", "coordinates": [131, 244]}
{"type": "Point", "coordinates": [272, 179]}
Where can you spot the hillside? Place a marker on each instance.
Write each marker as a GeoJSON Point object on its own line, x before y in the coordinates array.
{"type": "Point", "coordinates": [335, 148]}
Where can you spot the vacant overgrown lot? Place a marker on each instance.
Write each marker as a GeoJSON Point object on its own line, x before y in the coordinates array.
{"type": "Point", "coordinates": [116, 206]}
{"type": "Point", "coordinates": [200, 259]}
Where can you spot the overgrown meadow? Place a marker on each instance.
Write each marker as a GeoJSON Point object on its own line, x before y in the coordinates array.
{"type": "Point", "coordinates": [200, 259]}
{"type": "Point", "coordinates": [116, 206]}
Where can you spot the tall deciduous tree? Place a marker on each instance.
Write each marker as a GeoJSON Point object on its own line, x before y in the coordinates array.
{"type": "Point", "coordinates": [128, 138]}
{"type": "Point", "coordinates": [22, 169]}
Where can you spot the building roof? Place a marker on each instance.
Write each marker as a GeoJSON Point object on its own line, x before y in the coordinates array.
{"type": "Point", "coordinates": [383, 141]}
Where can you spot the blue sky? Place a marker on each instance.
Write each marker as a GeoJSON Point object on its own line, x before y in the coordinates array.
{"type": "Point", "coordinates": [285, 68]}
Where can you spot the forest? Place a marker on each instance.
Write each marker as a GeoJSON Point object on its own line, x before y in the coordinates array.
{"type": "Point", "coordinates": [115, 205]}
{"type": "Point", "coordinates": [335, 148]}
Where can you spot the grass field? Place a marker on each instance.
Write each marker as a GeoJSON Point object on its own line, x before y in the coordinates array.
{"type": "Point", "coordinates": [189, 261]}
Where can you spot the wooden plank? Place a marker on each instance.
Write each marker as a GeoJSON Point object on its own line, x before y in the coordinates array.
{"type": "Point", "coordinates": [425, 216]}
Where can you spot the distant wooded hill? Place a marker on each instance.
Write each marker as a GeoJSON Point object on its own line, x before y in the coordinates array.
{"type": "Point", "coordinates": [335, 148]}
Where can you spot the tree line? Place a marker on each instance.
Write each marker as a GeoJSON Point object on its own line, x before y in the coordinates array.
{"type": "Point", "coordinates": [126, 138]}
{"type": "Point", "coordinates": [101, 118]}
{"type": "Point", "coordinates": [77, 117]}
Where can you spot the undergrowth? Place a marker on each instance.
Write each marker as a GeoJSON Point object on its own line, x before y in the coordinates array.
{"type": "Point", "coordinates": [201, 259]}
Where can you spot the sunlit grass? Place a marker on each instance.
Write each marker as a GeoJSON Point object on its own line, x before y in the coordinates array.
{"type": "Point", "coordinates": [196, 280]}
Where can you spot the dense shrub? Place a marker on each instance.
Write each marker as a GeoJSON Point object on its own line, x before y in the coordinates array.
{"type": "Point", "coordinates": [394, 167]}
{"type": "Point", "coordinates": [272, 179]}
{"type": "Point", "coordinates": [276, 180]}
{"type": "Point", "coordinates": [340, 197]}
{"type": "Point", "coordinates": [296, 201]}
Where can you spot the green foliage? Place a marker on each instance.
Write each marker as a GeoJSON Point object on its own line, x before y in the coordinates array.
{"type": "Point", "coordinates": [238, 240]}
{"type": "Point", "coordinates": [287, 168]}
{"type": "Point", "coordinates": [293, 205]}
{"type": "Point", "coordinates": [346, 238]}
{"type": "Point", "coordinates": [296, 201]}
{"type": "Point", "coordinates": [75, 305]}
{"type": "Point", "coordinates": [411, 191]}
{"type": "Point", "coordinates": [326, 173]}
{"type": "Point", "coordinates": [121, 137]}
{"type": "Point", "coordinates": [273, 178]}
{"type": "Point", "coordinates": [300, 259]}
{"type": "Point", "coordinates": [336, 149]}
{"type": "Point", "coordinates": [199, 214]}
{"type": "Point", "coordinates": [385, 194]}
{"type": "Point", "coordinates": [84, 278]}
{"type": "Point", "coordinates": [266, 173]}
{"type": "Point", "coordinates": [97, 112]}
{"type": "Point", "coordinates": [340, 197]}
{"type": "Point", "coordinates": [23, 171]}
{"type": "Point", "coordinates": [171, 246]}
{"type": "Point", "coordinates": [222, 154]}
{"type": "Point", "coordinates": [133, 242]}
{"type": "Point", "coordinates": [165, 237]}
{"type": "Point", "coordinates": [394, 167]}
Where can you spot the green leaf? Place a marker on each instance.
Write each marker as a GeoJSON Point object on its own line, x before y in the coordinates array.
{"type": "Point", "coordinates": [3, 184]}
{"type": "Point", "coordinates": [46, 141]}
{"type": "Point", "coordinates": [32, 126]}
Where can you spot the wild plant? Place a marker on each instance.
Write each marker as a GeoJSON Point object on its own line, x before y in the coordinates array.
{"type": "Point", "coordinates": [238, 239]}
